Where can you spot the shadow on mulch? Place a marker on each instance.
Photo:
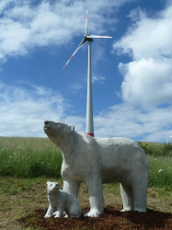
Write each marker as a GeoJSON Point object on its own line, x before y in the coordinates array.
{"type": "Point", "coordinates": [112, 218]}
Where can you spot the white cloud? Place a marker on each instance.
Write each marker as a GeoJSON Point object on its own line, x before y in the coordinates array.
{"type": "Point", "coordinates": [147, 82]}
{"type": "Point", "coordinates": [99, 79]}
{"type": "Point", "coordinates": [147, 79]}
{"type": "Point", "coordinates": [149, 37]}
{"type": "Point", "coordinates": [24, 110]}
{"type": "Point", "coordinates": [24, 26]}
{"type": "Point", "coordinates": [25, 107]}
{"type": "Point", "coordinates": [128, 121]}
{"type": "Point", "coordinates": [76, 87]}
{"type": "Point", "coordinates": [4, 5]}
{"type": "Point", "coordinates": [147, 87]}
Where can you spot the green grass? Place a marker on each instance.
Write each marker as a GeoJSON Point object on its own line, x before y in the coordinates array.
{"type": "Point", "coordinates": [157, 149]}
{"type": "Point", "coordinates": [29, 157]}
{"type": "Point", "coordinates": [27, 163]}
{"type": "Point", "coordinates": [39, 157]}
{"type": "Point", "coordinates": [20, 197]}
{"type": "Point", "coordinates": [160, 164]}
{"type": "Point", "coordinates": [160, 171]}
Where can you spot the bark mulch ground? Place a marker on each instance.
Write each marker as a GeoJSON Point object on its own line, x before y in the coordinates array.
{"type": "Point", "coordinates": [112, 218]}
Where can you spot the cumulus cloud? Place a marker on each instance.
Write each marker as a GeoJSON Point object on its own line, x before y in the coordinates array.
{"type": "Point", "coordinates": [23, 111]}
{"type": "Point", "coordinates": [148, 37]}
{"type": "Point", "coordinates": [146, 89]}
{"type": "Point", "coordinates": [147, 82]}
{"type": "Point", "coordinates": [128, 121]}
{"type": "Point", "coordinates": [147, 78]}
{"type": "Point", "coordinates": [25, 25]}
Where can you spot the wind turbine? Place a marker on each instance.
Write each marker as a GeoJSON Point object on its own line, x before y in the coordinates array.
{"type": "Point", "coordinates": [89, 113]}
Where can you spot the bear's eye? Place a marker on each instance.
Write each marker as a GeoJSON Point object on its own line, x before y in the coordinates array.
{"type": "Point", "coordinates": [51, 184]}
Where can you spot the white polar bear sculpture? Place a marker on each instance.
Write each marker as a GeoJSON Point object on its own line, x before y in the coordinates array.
{"type": "Point", "coordinates": [95, 161]}
{"type": "Point", "coordinates": [62, 201]}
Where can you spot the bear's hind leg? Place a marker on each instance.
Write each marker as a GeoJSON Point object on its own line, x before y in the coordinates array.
{"type": "Point", "coordinates": [140, 197]}
{"type": "Point", "coordinates": [75, 210]}
{"type": "Point", "coordinates": [127, 198]}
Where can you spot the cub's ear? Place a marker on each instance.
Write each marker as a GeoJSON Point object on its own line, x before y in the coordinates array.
{"type": "Point", "coordinates": [48, 182]}
{"type": "Point", "coordinates": [72, 128]}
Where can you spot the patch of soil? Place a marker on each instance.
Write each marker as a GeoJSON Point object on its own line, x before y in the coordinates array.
{"type": "Point", "coordinates": [112, 218]}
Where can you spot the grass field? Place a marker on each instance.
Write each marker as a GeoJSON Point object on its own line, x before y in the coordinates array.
{"type": "Point", "coordinates": [160, 164]}
{"type": "Point", "coordinates": [29, 157]}
{"type": "Point", "coordinates": [27, 163]}
{"type": "Point", "coordinates": [38, 157]}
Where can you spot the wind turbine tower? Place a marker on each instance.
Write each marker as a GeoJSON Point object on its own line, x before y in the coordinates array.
{"type": "Point", "coordinates": [89, 111]}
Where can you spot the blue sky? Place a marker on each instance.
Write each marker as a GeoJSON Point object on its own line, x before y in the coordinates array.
{"type": "Point", "coordinates": [131, 73]}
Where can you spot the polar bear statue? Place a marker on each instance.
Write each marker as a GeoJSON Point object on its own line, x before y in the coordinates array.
{"type": "Point", "coordinates": [62, 201]}
{"type": "Point", "coordinates": [101, 160]}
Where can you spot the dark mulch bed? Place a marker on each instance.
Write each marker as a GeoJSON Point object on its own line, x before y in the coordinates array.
{"type": "Point", "coordinates": [112, 218]}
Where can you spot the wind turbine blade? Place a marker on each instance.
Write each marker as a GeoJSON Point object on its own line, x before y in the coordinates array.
{"type": "Point", "coordinates": [80, 45]}
{"type": "Point", "coordinates": [86, 21]}
{"type": "Point", "coordinates": [98, 36]}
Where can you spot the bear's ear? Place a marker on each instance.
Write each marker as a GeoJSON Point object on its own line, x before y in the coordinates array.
{"type": "Point", "coordinates": [48, 182]}
{"type": "Point", "coordinates": [72, 128]}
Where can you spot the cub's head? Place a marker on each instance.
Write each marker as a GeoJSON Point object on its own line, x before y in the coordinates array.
{"type": "Point", "coordinates": [52, 187]}
{"type": "Point", "coordinates": [57, 130]}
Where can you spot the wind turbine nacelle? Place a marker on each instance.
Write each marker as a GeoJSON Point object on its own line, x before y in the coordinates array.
{"type": "Point", "coordinates": [89, 39]}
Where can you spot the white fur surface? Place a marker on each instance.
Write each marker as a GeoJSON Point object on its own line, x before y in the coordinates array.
{"type": "Point", "coordinates": [61, 201]}
{"type": "Point", "coordinates": [95, 161]}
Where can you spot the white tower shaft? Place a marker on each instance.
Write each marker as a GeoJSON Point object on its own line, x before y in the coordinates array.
{"type": "Point", "coordinates": [89, 113]}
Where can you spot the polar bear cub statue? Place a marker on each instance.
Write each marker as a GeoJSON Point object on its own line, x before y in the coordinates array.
{"type": "Point", "coordinates": [61, 201]}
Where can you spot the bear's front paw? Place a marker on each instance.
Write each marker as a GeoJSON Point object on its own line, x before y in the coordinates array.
{"type": "Point", "coordinates": [92, 213]}
{"type": "Point", "coordinates": [58, 214]}
{"type": "Point", "coordinates": [47, 216]}
{"type": "Point", "coordinates": [126, 209]}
